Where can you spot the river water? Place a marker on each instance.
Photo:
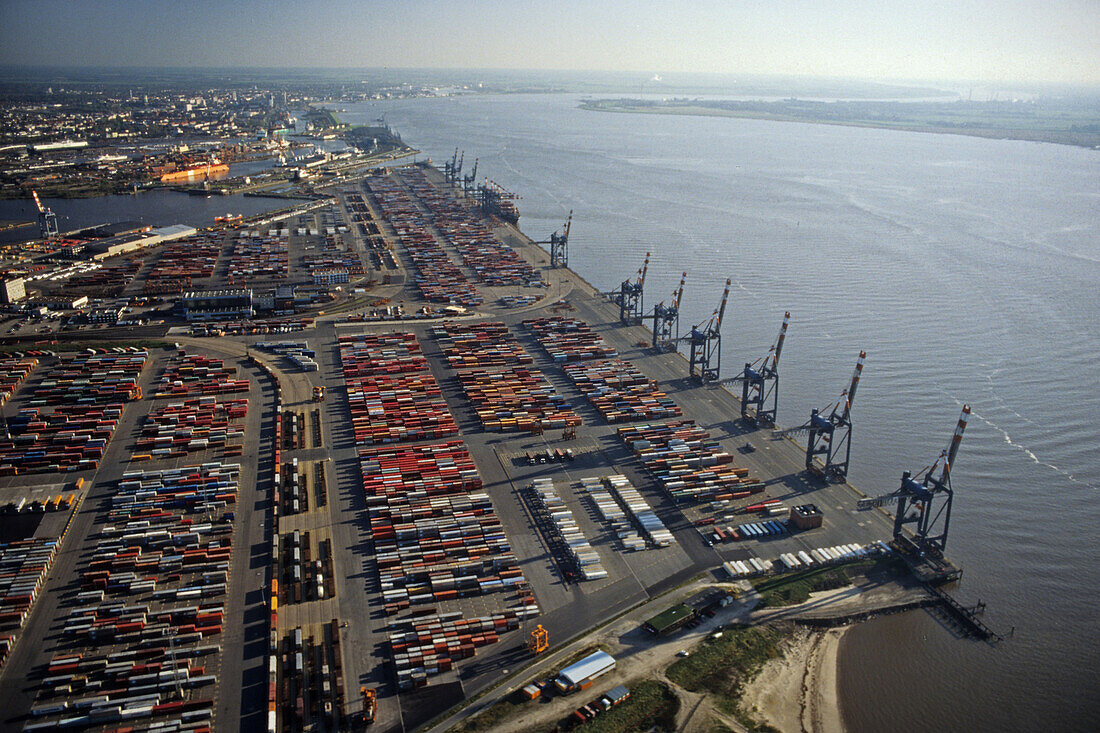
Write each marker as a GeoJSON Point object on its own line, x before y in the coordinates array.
{"type": "Point", "coordinates": [969, 269]}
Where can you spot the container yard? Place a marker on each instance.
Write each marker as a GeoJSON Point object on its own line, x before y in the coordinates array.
{"type": "Point", "coordinates": [368, 517]}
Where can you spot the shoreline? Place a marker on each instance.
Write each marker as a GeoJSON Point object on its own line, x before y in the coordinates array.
{"type": "Point", "coordinates": [1070, 138]}
{"type": "Point", "coordinates": [799, 691]}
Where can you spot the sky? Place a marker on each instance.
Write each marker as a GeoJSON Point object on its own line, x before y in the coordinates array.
{"type": "Point", "coordinates": [980, 40]}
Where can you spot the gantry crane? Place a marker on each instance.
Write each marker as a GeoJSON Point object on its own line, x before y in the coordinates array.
{"type": "Point", "coordinates": [453, 167]}
{"type": "Point", "coordinates": [760, 382]}
{"type": "Point", "coordinates": [666, 320]}
{"type": "Point", "coordinates": [705, 343]}
{"type": "Point", "coordinates": [629, 296]}
{"type": "Point", "coordinates": [496, 201]}
{"type": "Point", "coordinates": [559, 244]}
{"type": "Point", "coordinates": [539, 640]}
{"type": "Point", "coordinates": [925, 501]}
{"type": "Point", "coordinates": [47, 220]}
{"type": "Point", "coordinates": [830, 433]}
{"type": "Point", "coordinates": [469, 181]}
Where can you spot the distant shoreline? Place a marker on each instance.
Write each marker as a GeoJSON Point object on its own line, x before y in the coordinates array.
{"type": "Point", "coordinates": [757, 111]}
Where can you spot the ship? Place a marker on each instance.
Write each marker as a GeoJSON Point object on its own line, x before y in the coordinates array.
{"type": "Point", "coordinates": [207, 170]}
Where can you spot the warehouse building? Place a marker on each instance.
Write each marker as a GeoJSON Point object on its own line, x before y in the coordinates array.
{"type": "Point", "coordinates": [215, 305]}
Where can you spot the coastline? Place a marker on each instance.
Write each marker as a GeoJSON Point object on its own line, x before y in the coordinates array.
{"type": "Point", "coordinates": [798, 691]}
{"type": "Point", "coordinates": [1071, 138]}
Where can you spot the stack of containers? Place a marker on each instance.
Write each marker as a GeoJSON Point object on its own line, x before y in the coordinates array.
{"type": "Point", "coordinates": [643, 514]}
{"type": "Point", "coordinates": [71, 438]}
{"type": "Point", "coordinates": [610, 511]}
{"type": "Point", "coordinates": [690, 465]}
{"type": "Point", "coordinates": [191, 374]}
{"type": "Point", "coordinates": [479, 345]}
{"type": "Point", "coordinates": [569, 339]}
{"type": "Point", "coordinates": [493, 262]}
{"type": "Point", "coordinates": [434, 644]}
{"type": "Point", "coordinates": [108, 282]}
{"type": "Point", "coordinates": [438, 279]}
{"type": "Point", "coordinates": [620, 391]}
{"type": "Point", "coordinates": [24, 565]}
{"type": "Point", "coordinates": [191, 425]}
{"type": "Point", "coordinates": [391, 394]}
{"type": "Point", "coordinates": [587, 559]}
{"type": "Point", "coordinates": [13, 371]}
{"type": "Point", "coordinates": [516, 399]}
{"type": "Point", "coordinates": [435, 534]}
{"type": "Point", "coordinates": [256, 258]}
{"type": "Point", "coordinates": [85, 379]}
{"type": "Point", "coordinates": [517, 301]}
{"type": "Point", "coordinates": [183, 262]}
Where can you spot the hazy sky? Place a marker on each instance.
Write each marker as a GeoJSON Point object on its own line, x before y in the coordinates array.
{"type": "Point", "coordinates": [989, 40]}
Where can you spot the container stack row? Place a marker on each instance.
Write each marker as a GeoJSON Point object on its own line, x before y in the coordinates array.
{"type": "Point", "coordinates": [432, 646]}
{"type": "Point", "coordinates": [516, 398]}
{"type": "Point", "coordinates": [192, 374]}
{"type": "Point", "coordinates": [610, 512]}
{"type": "Point", "coordinates": [653, 529]}
{"type": "Point", "coordinates": [517, 301]}
{"type": "Point", "coordinates": [493, 262]}
{"type": "Point", "coordinates": [182, 263]}
{"type": "Point", "coordinates": [689, 464]}
{"type": "Point", "coordinates": [391, 394]}
{"type": "Point", "coordinates": [298, 354]}
{"type": "Point", "coordinates": [620, 392]}
{"type": "Point", "coordinates": [139, 642]}
{"type": "Point", "coordinates": [569, 339]}
{"type": "Point", "coordinates": [108, 281]}
{"type": "Point", "coordinates": [84, 379]}
{"type": "Point", "coordinates": [24, 565]}
{"type": "Point", "coordinates": [437, 277]}
{"type": "Point", "coordinates": [191, 425]}
{"type": "Point", "coordinates": [13, 370]}
{"type": "Point", "coordinates": [258, 258]}
{"type": "Point", "coordinates": [436, 536]}
{"type": "Point", "coordinates": [565, 524]}
{"type": "Point", "coordinates": [479, 345]}
{"type": "Point", "coordinates": [71, 438]}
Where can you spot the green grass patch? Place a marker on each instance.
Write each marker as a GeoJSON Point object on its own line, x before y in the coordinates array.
{"type": "Point", "coordinates": [651, 706]}
{"type": "Point", "coordinates": [790, 588]}
{"type": "Point", "coordinates": [491, 716]}
{"type": "Point", "coordinates": [722, 666]}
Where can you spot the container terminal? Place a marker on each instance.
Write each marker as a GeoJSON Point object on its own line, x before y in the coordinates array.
{"type": "Point", "coordinates": [440, 455]}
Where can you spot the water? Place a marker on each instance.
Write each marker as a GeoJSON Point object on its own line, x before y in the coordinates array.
{"type": "Point", "coordinates": [158, 208]}
{"type": "Point", "coordinates": [969, 270]}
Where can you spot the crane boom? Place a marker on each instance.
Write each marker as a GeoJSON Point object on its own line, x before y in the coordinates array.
{"type": "Point", "coordinates": [722, 306]}
{"type": "Point", "coordinates": [679, 292]}
{"type": "Point", "coordinates": [849, 396]}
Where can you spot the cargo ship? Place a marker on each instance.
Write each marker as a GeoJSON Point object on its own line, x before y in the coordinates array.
{"type": "Point", "coordinates": [208, 170]}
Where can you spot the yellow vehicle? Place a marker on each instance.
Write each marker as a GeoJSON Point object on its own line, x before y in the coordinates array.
{"type": "Point", "coordinates": [319, 394]}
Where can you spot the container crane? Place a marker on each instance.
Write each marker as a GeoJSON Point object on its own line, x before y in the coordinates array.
{"type": "Point", "coordinates": [469, 181]}
{"type": "Point", "coordinates": [666, 320]}
{"type": "Point", "coordinates": [925, 500]}
{"type": "Point", "coordinates": [453, 167]}
{"type": "Point", "coordinates": [629, 296]}
{"type": "Point", "coordinates": [760, 381]}
{"type": "Point", "coordinates": [47, 220]}
{"type": "Point", "coordinates": [705, 342]}
{"type": "Point", "coordinates": [830, 433]}
{"type": "Point", "coordinates": [559, 244]}
{"type": "Point", "coordinates": [496, 201]}
{"type": "Point", "coordinates": [539, 640]}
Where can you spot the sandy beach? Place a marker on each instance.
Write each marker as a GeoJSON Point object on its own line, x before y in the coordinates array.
{"type": "Point", "coordinates": [797, 692]}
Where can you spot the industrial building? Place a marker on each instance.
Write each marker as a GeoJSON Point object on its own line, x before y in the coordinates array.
{"type": "Point", "coordinates": [579, 676]}
{"type": "Point", "coordinates": [216, 305]}
{"type": "Point", "coordinates": [123, 243]}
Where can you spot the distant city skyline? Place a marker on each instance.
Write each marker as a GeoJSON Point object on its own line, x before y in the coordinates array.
{"type": "Point", "coordinates": [995, 41]}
